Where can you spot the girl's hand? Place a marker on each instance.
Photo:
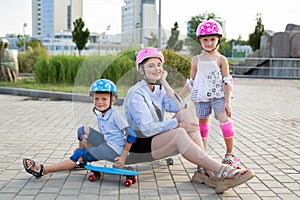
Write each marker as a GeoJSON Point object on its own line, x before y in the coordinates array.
{"type": "Point", "coordinates": [227, 108]}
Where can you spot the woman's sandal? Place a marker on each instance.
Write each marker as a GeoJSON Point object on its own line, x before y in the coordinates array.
{"type": "Point", "coordinates": [30, 169]}
{"type": "Point", "coordinates": [239, 176]}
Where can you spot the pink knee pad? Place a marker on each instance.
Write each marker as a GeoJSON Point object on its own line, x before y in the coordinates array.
{"type": "Point", "coordinates": [204, 128]}
{"type": "Point", "coordinates": [227, 130]}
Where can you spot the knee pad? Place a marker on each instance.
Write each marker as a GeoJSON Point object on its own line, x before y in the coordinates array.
{"type": "Point", "coordinates": [204, 128]}
{"type": "Point", "coordinates": [79, 153]}
{"type": "Point", "coordinates": [80, 133]}
{"type": "Point", "coordinates": [227, 130]}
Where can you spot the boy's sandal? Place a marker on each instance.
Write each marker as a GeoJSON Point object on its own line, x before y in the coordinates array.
{"type": "Point", "coordinates": [229, 178]}
{"type": "Point", "coordinates": [80, 165]}
{"type": "Point", "coordinates": [30, 168]}
{"type": "Point", "coordinates": [228, 161]}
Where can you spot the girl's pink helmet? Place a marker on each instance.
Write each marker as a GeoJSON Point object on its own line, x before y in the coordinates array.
{"type": "Point", "coordinates": [209, 27]}
{"type": "Point", "coordinates": [148, 52]}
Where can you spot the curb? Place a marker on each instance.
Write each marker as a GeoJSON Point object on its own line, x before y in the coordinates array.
{"type": "Point", "coordinates": [54, 96]}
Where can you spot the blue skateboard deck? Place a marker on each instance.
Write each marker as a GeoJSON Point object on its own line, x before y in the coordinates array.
{"type": "Point", "coordinates": [116, 171]}
{"type": "Point", "coordinates": [97, 173]}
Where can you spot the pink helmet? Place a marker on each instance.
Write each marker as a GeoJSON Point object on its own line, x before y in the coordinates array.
{"type": "Point", "coordinates": [148, 52]}
{"type": "Point", "coordinates": [209, 27]}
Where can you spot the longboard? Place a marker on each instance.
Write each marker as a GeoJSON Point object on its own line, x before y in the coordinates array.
{"type": "Point", "coordinates": [97, 173]}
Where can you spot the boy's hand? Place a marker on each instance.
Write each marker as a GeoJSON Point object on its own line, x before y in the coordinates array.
{"type": "Point", "coordinates": [119, 162]}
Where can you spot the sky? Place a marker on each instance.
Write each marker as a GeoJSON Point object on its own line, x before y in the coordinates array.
{"type": "Point", "coordinates": [239, 15]}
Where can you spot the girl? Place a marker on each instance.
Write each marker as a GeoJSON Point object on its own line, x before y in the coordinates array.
{"type": "Point", "coordinates": [211, 86]}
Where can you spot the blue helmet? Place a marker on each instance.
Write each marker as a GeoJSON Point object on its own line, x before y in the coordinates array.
{"type": "Point", "coordinates": [105, 86]}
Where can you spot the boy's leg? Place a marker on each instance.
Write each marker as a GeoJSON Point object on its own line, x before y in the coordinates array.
{"type": "Point", "coordinates": [61, 166]}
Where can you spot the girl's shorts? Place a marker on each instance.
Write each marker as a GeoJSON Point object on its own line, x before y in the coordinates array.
{"type": "Point", "coordinates": [204, 109]}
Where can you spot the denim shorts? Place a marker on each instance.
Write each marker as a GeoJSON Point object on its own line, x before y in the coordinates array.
{"type": "Point", "coordinates": [100, 150]}
{"type": "Point", "coordinates": [204, 109]}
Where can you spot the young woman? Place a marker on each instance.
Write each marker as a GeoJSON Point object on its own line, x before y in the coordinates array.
{"type": "Point", "coordinates": [157, 137]}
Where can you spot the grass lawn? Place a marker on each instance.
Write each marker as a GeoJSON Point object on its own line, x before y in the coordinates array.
{"type": "Point", "coordinates": [70, 88]}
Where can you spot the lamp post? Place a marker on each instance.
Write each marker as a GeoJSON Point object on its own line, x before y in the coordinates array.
{"type": "Point", "coordinates": [24, 37]}
{"type": "Point", "coordinates": [159, 25]}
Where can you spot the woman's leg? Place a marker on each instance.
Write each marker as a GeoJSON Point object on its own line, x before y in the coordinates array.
{"type": "Point", "coordinates": [178, 139]}
{"type": "Point", "coordinates": [228, 177]}
{"type": "Point", "coordinates": [186, 115]}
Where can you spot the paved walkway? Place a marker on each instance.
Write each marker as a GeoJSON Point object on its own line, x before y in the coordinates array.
{"type": "Point", "coordinates": [267, 123]}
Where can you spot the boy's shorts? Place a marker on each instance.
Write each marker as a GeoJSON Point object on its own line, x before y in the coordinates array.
{"type": "Point", "coordinates": [100, 149]}
{"type": "Point", "coordinates": [204, 109]}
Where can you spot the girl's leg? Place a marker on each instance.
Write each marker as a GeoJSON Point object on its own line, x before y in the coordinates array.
{"type": "Point", "coordinates": [204, 129]}
{"type": "Point", "coordinates": [228, 134]}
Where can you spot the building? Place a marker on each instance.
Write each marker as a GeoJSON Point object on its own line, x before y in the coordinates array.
{"type": "Point", "coordinates": [139, 22]}
{"type": "Point", "coordinates": [51, 16]}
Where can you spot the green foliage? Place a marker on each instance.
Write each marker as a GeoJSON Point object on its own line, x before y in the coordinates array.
{"type": "Point", "coordinates": [79, 36]}
{"type": "Point", "coordinates": [28, 58]}
{"type": "Point", "coordinates": [58, 69]}
{"type": "Point", "coordinates": [83, 71]}
{"type": "Point", "coordinates": [254, 38]}
{"type": "Point", "coordinates": [178, 68]}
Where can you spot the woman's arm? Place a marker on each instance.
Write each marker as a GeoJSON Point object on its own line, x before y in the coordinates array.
{"type": "Point", "coordinates": [169, 90]}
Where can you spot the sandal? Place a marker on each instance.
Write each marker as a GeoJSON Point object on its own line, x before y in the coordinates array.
{"type": "Point", "coordinates": [30, 169]}
{"type": "Point", "coordinates": [201, 176]}
{"type": "Point", "coordinates": [80, 165]}
{"type": "Point", "coordinates": [210, 181]}
{"type": "Point", "coordinates": [228, 161]}
{"type": "Point", "coordinates": [239, 176]}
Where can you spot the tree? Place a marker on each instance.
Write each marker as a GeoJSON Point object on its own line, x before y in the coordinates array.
{"type": "Point", "coordinates": [173, 42]}
{"type": "Point", "coordinates": [153, 40]}
{"type": "Point", "coordinates": [254, 38]}
{"type": "Point", "coordinates": [79, 36]}
{"type": "Point", "coordinates": [192, 42]}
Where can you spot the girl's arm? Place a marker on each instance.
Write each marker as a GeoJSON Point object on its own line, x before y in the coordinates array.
{"type": "Point", "coordinates": [227, 87]}
{"type": "Point", "coordinates": [189, 84]}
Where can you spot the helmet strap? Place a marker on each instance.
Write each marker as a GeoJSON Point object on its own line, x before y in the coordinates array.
{"type": "Point", "coordinates": [146, 79]}
{"type": "Point", "coordinates": [103, 111]}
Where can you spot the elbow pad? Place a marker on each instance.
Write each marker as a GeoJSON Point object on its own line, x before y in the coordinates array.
{"type": "Point", "coordinates": [228, 80]}
{"type": "Point", "coordinates": [190, 83]}
{"type": "Point", "coordinates": [131, 138]}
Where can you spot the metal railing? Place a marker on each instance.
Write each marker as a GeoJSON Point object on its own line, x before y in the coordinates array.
{"type": "Point", "coordinates": [285, 68]}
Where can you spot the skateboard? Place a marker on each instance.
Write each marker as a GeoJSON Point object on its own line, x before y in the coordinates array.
{"type": "Point", "coordinates": [97, 173]}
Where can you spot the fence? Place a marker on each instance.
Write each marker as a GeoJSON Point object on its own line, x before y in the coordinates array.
{"type": "Point", "coordinates": [284, 68]}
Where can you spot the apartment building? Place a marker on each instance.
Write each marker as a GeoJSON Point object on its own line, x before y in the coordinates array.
{"type": "Point", "coordinates": [51, 16]}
